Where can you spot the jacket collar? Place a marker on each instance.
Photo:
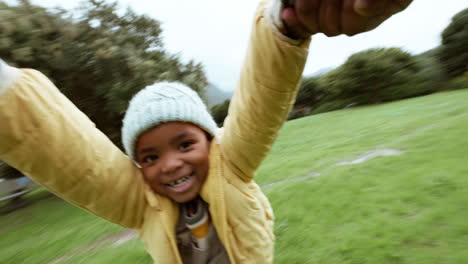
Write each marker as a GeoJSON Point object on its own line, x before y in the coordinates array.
{"type": "Point", "coordinates": [153, 199]}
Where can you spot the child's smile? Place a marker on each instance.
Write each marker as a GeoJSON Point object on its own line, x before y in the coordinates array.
{"type": "Point", "coordinates": [181, 184]}
{"type": "Point", "coordinates": [174, 159]}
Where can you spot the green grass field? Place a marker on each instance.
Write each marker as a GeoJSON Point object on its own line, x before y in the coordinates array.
{"type": "Point", "coordinates": [409, 208]}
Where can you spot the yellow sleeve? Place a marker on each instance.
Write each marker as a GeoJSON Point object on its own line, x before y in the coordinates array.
{"type": "Point", "coordinates": [47, 138]}
{"type": "Point", "coordinates": [265, 94]}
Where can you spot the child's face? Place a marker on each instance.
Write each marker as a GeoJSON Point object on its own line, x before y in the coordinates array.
{"type": "Point", "coordinates": [174, 159]}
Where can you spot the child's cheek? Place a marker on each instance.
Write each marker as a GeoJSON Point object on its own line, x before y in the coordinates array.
{"type": "Point", "coordinates": [148, 175]}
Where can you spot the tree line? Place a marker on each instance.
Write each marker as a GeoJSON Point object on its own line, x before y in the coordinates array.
{"type": "Point", "coordinates": [99, 56]}
{"type": "Point", "coordinates": [382, 75]}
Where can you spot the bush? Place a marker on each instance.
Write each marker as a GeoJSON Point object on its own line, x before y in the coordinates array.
{"type": "Point", "coordinates": [334, 105]}
{"type": "Point", "coordinates": [382, 75]}
{"type": "Point", "coordinates": [374, 76]}
{"type": "Point", "coordinates": [453, 53]}
{"type": "Point", "coordinates": [458, 83]}
{"type": "Point", "coordinates": [309, 92]}
{"type": "Point", "coordinates": [298, 113]}
{"type": "Point", "coordinates": [417, 86]}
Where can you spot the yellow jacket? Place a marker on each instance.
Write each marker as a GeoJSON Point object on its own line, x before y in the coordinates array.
{"type": "Point", "coordinates": [46, 137]}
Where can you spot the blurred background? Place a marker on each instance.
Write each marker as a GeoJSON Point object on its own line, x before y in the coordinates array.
{"type": "Point", "coordinates": [100, 53]}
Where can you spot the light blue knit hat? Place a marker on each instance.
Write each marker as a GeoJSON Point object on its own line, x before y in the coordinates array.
{"type": "Point", "coordinates": [161, 103]}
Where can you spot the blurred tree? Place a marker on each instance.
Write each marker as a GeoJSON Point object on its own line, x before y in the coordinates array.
{"type": "Point", "coordinates": [220, 112]}
{"type": "Point", "coordinates": [374, 76]}
{"type": "Point", "coordinates": [309, 92]}
{"type": "Point", "coordinates": [430, 64]}
{"type": "Point", "coordinates": [99, 56]}
{"type": "Point", "coordinates": [308, 96]}
{"type": "Point", "coordinates": [454, 50]}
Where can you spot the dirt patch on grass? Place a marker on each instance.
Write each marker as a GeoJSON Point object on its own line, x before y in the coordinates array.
{"type": "Point", "coordinates": [370, 155]}
{"type": "Point", "coordinates": [363, 158]}
{"type": "Point", "coordinates": [309, 176]}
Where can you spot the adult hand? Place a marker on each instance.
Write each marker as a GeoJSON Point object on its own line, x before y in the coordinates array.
{"type": "Point", "coordinates": [336, 17]}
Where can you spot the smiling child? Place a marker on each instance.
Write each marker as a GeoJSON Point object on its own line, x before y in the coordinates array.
{"type": "Point", "coordinates": [186, 186]}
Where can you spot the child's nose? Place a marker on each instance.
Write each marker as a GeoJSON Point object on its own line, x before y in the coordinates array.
{"type": "Point", "coordinates": [171, 164]}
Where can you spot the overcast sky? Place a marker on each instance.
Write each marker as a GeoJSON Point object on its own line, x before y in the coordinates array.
{"type": "Point", "coordinates": [215, 32]}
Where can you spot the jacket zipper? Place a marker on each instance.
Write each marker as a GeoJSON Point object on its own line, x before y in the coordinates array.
{"type": "Point", "coordinates": [221, 171]}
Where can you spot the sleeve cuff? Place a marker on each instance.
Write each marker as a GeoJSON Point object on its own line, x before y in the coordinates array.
{"type": "Point", "coordinates": [8, 75]}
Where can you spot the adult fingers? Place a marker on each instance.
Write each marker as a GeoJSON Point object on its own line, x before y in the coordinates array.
{"type": "Point", "coordinates": [307, 12]}
{"type": "Point", "coordinates": [375, 22]}
{"type": "Point", "coordinates": [401, 5]}
{"type": "Point", "coordinates": [294, 28]}
{"type": "Point", "coordinates": [330, 17]}
{"type": "Point", "coordinates": [380, 7]}
{"type": "Point", "coordinates": [371, 7]}
{"type": "Point", "coordinates": [352, 23]}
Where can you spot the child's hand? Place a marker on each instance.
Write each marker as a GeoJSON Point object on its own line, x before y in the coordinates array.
{"type": "Point", "coordinates": [335, 17]}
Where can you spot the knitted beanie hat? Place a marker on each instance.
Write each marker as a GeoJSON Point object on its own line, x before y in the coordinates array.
{"type": "Point", "coordinates": [161, 103]}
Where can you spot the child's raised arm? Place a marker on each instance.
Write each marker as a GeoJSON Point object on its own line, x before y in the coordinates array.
{"type": "Point", "coordinates": [274, 63]}
{"type": "Point", "coordinates": [266, 91]}
{"type": "Point", "coordinates": [47, 138]}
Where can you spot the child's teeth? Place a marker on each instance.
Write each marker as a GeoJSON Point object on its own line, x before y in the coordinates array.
{"type": "Point", "coordinates": [179, 181]}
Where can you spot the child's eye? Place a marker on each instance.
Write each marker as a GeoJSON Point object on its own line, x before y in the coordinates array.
{"type": "Point", "coordinates": [185, 145]}
{"type": "Point", "coordinates": [150, 158]}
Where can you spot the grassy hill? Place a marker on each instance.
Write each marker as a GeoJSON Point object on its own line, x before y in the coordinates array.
{"type": "Point", "coordinates": [407, 205]}
{"type": "Point", "coordinates": [409, 208]}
